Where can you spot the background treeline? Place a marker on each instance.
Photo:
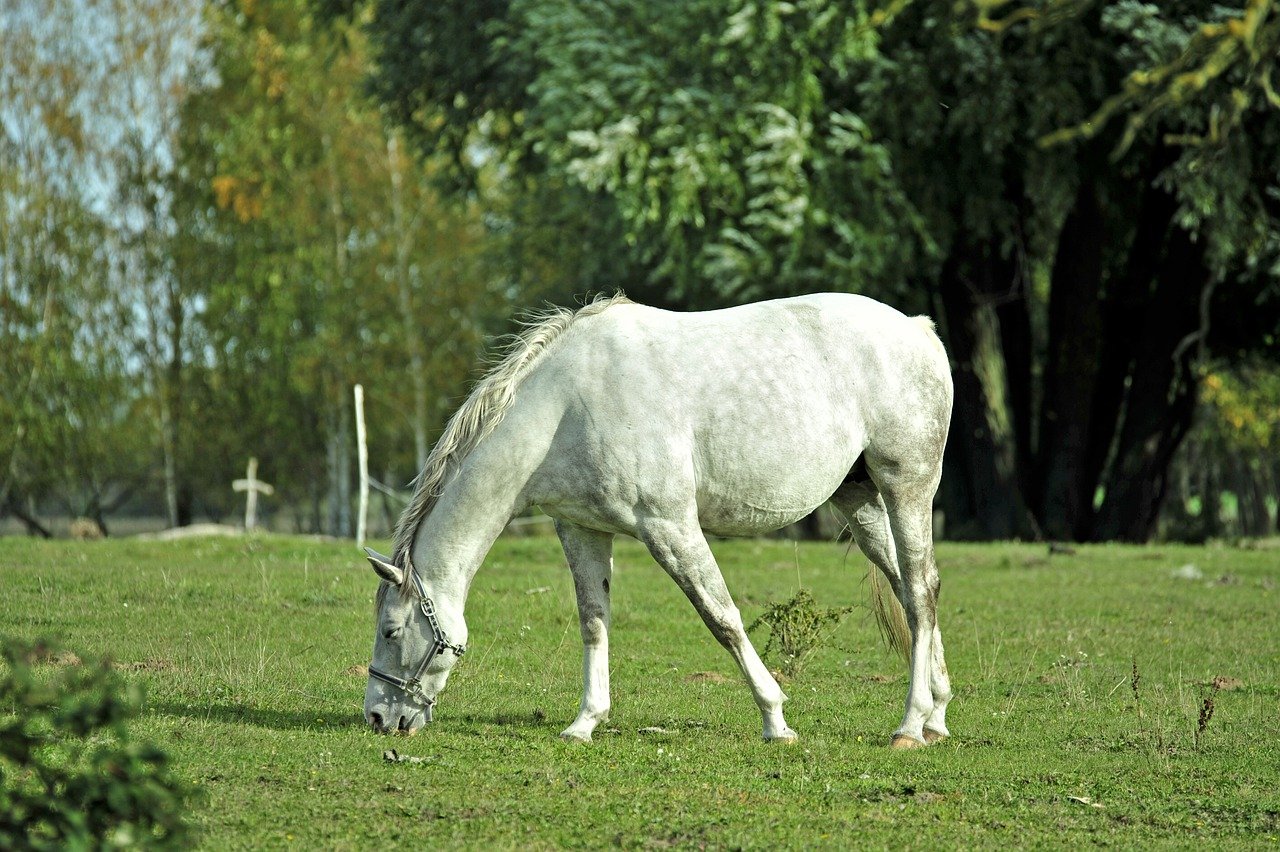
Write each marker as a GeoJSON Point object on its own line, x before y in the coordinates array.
{"type": "Point", "coordinates": [216, 218]}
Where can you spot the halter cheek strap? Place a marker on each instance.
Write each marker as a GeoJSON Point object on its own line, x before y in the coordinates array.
{"type": "Point", "coordinates": [413, 686]}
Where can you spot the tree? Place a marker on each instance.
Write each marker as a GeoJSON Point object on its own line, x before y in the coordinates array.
{"type": "Point", "coordinates": [1072, 186]}
{"type": "Point", "coordinates": [153, 61]}
{"type": "Point", "coordinates": [324, 258]}
{"type": "Point", "coordinates": [1233, 450]}
{"type": "Point", "coordinates": [726, 173]}
{"type": "Point", "coordinates": [67, 424]}
{"type": "Point", "coordinates": [74, 775]}
{"type": "Point", "coordinates": [1088, 286]}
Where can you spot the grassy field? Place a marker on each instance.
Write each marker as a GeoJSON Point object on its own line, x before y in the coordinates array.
{"type": "Point", "coordinates": [250, 652]}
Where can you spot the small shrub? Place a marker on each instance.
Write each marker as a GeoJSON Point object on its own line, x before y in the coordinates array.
{"type": "Point", "coordinates": [71, 777]}
{"type": "Point", "coordinates": [798, 627]}
{"type": "Point", "coordinates": [1134, 679]}
{"type": "Point", "coordinates": [1206, 713]}
{"type": "Point", "coordinates": [86, 529]}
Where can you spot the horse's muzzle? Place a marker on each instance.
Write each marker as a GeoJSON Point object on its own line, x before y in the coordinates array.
{"type": "Point", "coordinates": [407, 723]}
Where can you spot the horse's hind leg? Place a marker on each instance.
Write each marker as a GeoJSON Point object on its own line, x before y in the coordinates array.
{"type": "Point", "coordinates": [907, 495]}
{"type": "Point", "coordinates": [682, 551]}
{"type": "Point", "coordinates": [863, 507]}
{"type": "Point", "coordinates": [935, 727]}
{"type": "Point", "coordinates": [590, 556]}
{"type": "Point", "coordinates": [910, 517]}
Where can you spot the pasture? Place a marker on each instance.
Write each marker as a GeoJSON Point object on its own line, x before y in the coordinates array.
{"type": "Point", "coordinates": [251, 653]}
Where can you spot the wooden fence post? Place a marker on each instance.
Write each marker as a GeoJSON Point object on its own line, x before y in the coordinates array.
{"type": "Point", "coordinates": [362, 456]}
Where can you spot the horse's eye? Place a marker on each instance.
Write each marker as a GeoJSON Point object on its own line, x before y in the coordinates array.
{"type": "Point", "coordinates": [392, 632]}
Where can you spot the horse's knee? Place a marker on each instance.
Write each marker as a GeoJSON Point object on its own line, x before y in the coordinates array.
{"type": "Point", "coordinates": [595, 628]}
{"type": "Point", "coordinates": [726, 626]}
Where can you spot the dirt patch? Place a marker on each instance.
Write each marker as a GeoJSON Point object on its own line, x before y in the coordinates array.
{"type": "Point", "coordinates": [191, 531]}
{"type": "Point", "coordinates": [707, 677]}
{"type": "Point", "coordinates": [43, 655]}
{"type": "Point", "coordinates": [357, 671]}
{"type": "Point", "coordinates": [1226, 684]}
{"type": "Point", "coordinates": [152, 665]}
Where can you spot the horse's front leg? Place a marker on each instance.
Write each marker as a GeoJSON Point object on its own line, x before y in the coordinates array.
{"type": "Point", "coordinates": [682, 550]}
{"type": "Point", "coordinates": [590, 556]}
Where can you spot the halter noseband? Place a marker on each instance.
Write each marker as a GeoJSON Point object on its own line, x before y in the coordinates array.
{"type": "Point", "coordinates": [413, 686]}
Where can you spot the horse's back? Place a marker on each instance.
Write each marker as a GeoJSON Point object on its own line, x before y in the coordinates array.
{"type": "Point", "coordinates": [760, 410]}
{"type": "Point", "coordinates": [834, 354]}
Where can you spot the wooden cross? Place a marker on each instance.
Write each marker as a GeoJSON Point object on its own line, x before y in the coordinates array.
{"type": "Point", "coordinates": [254, 486]}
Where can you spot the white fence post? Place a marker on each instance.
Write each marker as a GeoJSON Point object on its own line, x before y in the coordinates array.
{"type": "Point", "coordinates": [362, 454]}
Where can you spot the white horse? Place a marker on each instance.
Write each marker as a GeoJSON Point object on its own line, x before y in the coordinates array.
{"type": "Point", "coordinates": [622, 418]}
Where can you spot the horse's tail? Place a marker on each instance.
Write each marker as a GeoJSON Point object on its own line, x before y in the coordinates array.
{"type": "Point", "coordinates": [890, 617]}
{"type": "Point", "coordinates": [931, 330]}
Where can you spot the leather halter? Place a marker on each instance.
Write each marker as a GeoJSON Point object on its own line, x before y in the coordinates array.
{"type": "Point", "coordinates": [412, 687]}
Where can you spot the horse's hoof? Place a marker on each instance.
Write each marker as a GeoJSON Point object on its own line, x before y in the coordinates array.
{"type": "Point", "coordinates": [787, 737]}
{"type": "Point", "coordinates": [903, 741]}
{"type": "Point", "coordinates": [573, 737]}
{"type": "Point", "coordinates": [932, 737]}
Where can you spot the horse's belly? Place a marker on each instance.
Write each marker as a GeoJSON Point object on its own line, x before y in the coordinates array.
{"type": "Point", "coordinates": [748, 499]}
{"type": "Point", "coordinates": [745, 519]}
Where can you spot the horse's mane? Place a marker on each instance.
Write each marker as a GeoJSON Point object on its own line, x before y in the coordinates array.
{"type": "Point", "coordinates": [484, 408]}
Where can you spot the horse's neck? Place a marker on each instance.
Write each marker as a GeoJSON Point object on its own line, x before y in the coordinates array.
{"type": "Point", "coordinates": [472, 510]}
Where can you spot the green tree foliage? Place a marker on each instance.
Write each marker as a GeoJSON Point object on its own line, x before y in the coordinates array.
{"type": "Point", "coordinates": [323, 258]}
{"type": "Point", "coordinates": [71, 775]}
{"type": "Point", "coordinates": [1078, 189]}
{"type": "Point", "coordinates": [71, 429]}
{"type": "Point", "coordinates": [1079, 281]}
{"type": "Point", "coordinates": [1234, 451]}
{"type": "Point", "coordinates": [203, 246]}
{"type": "Point", "coordinates": [708, 131]}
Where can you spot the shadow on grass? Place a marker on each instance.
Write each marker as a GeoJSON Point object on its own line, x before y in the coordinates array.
{"type": "Point", "coordinates": [536, 719]}
{"type": "Point", "coordinates": [283, 720]}
{"type": "Point", "coordinates": [287, 720]}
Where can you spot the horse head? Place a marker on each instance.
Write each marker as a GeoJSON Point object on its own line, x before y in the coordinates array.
{"type": "Point", "coordinates": [412, 656]}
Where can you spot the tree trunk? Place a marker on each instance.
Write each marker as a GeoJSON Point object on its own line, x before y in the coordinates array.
{"type": "Point", "coordinates": [28, 518]}
{"type": "Point", "coordinates": [169, 452]}
{"type": "Point", "coordinates": [983, 497]}
{"type": "Point", "coordinates": [346, 525]}
{"type": "Point", "coordinates": [1251, 492]}
{"type": "Point", "coordinates": [1062, 497]}
{"type": "Point", "coordinates": [317, 515]}
{"type": "Point", "coordinates": [335, 388]}
{"type": "Point", "coordinates": [1211, 500]}
{"type": "Point", "coordinates": [412, 329]}
{"type": "Point", "coordinates": [1018, 347]}
{"type": "Point", "coordinates": [338, 468]}
{"type": "Point", "coordinates": [1127, 298]}
{"type": "Point", "coordinates": [1161, 401]}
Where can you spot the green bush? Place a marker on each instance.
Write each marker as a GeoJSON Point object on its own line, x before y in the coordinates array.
{"type": "Point", "coordinates": [797, 628]}
{"type": "Point", "coordinates": [71, 777]}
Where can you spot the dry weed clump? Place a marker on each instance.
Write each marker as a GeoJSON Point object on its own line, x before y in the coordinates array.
{"type": "Point", "coordinates": [798, 627]}
{"type": "Point", "coordinates": [1206, 713]}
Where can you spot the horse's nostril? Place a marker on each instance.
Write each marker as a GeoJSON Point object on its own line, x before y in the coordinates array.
{"type": "Point", "coordinates": [404, 723]}
{"type": "Point", "coordinates": [375, 719]}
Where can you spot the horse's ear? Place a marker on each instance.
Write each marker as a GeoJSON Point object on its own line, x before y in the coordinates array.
{"type": "Point", "coordinates": [383, 567]}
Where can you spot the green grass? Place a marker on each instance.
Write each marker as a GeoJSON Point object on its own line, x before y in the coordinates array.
{"type": "Point", "coordinates": [247, 649]}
